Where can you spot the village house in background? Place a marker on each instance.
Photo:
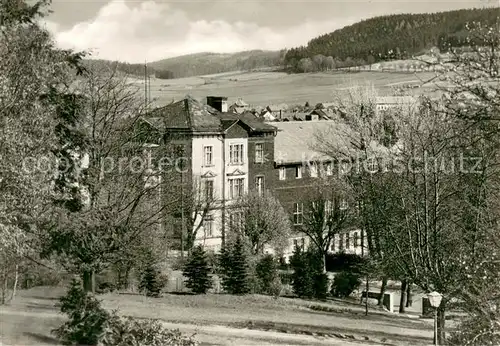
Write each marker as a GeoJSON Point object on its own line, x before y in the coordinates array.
{"type": "Point", "coordinates": [239, 107]}
{"type": "Point", "coordinates": [384, 103]}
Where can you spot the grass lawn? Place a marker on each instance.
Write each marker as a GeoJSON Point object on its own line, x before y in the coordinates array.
{"type": "Point", "coordinates": [264, 88]}
{"type": "Point", "coordinates": [29, 319]}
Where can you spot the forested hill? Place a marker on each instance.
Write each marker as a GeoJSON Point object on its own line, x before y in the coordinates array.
{"type": "Point", "coordinates": [210, 63]}
{"type": "Point", "coordinates": [202, 64]}
{"type": "Point", "coordinates": [387, 37]}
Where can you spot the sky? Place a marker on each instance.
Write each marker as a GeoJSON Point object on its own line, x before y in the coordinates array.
{"type": "Point", "coordinates": [138, 31]}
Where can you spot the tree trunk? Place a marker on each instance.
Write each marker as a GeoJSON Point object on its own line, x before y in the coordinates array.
{"type": "Point", "coordinates": [441, 324]}
{"type": "Point", "coordinates": [324, 263]}
{"type": "Point", "coordinates": [382, 291]}
{"type": "Point", "coordinates": [404, 285]}
{"type": "Point", "coordinates": [126, 279]}
{"type": "Point", "coordinates": [4, 287]}
{"type": "Point", "coordinates": [366, 298]}
{"type": "Point", "coordinates": [408, 295]}
{"type": "Point", "coordinates": [87, 281]}
{"type": "Point", "coordinates": [16, 279]}
{"type": "Point", "coordinates": [92, 280]}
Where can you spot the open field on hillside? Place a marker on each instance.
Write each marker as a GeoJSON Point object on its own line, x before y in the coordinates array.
{"type": "Point", "coordinates": [263, 88]}
{"type": "Point", "coordinates": [225, 320]}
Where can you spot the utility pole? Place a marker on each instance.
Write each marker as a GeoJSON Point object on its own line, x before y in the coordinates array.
{"type": "Point", "coordinates": [149, 88]}
{"type": "Point", "coordinates": [182, 207]}
{"type": "Point", "coordinates": [145, 85]}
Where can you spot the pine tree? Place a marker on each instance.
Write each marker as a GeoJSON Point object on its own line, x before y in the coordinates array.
{"type": "Point", "coordinates": [308, 279]}
{"type": "Point", "coordinates": [267, 272]}
{"type": "Point", "coordinates": [197, 271]}
{"type": "Point", "coordinates": [150, 280]}
{"type": "Point", "coordinates": [224, 264]}
{"type": "Point", "coordinates": [235, 269]}
{"type": "Point", "coordinates": [302, 280]}
{"type": "Point", "coordinates": [239, 272]}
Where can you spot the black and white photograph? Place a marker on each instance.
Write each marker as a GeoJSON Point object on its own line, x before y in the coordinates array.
{"type": "Point", "coordinates": [249, 172]}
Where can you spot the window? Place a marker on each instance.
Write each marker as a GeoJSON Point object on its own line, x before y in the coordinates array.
{"type": "Point", "coordinates": [209, 190]}
{"type": "Point", "coordinates": [302, 244]}
{"type": "Point", "coordinates": [344, 168]}
{"type": "Point", "coordinates": [356, 239]}
{"type": "Point", "coordinates": [236, 154]}
{"type": "Point", "coordinates": [328, 208]}
{"type": "Point", "coordinates": [282, 173]}
{"type": "Point", "coordinates": [208, 155]}
{"type": "Point", "coordinates": [208, 225]}
{"type": "Point", "coordinates": [343, 204]}
{"type": "Point", "coordinates": [298, 213]}
{"type": "Point", "coordinates": [259, 153]}
{"type": "Point", "coordinates": [329, 169]}
{"type": "Point", "coordinates": [236, 188]}
{"type": "Point", "coordinates": [236, 219]}
{"type": "Point", "coordinates": [298, 172]}
{"type": "Point", "coordinates": [372, 165]}
{"type": "Point", "coordinates": [259, 185]}
{"type": "Point", "coordinates": [341, 241]}
{"type": "Point", "coordinates": [313, 170]}
{"type": "Point", "coordinates": [347, 241]}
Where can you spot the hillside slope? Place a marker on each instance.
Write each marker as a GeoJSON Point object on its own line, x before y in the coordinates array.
{"type": "Point", "coordinates": [387, 37]}
{"type": "Point", "coordinates": [211, 63]}
{"type": "Point", "coordinates": [202, 64]}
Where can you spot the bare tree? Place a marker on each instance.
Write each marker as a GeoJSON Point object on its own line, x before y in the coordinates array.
{"type": "Point", "coordinates": [327, 213]}
{"type": "Point", "coordinates": [125, 192]}
{"type": "Point", "coordinates": [362, 141]}
{"type": "Point", "coordinates": [264, 223]}
{"type": "Point", "coordinates": [200, 202]}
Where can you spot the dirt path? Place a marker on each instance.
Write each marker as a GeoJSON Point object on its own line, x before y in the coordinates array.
{"type": "Point", "coordinates": [17, 328]}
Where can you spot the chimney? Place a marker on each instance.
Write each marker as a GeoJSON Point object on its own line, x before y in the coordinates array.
{"type": "Point", "coordinates": [217, 102]}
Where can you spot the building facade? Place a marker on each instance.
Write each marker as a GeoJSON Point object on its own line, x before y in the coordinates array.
{"type": "Point", "coordinates": [227, 155]}
{"type": "Point", "coordinates": [298, 171]}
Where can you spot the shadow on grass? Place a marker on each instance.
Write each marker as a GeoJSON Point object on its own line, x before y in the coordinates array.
{"type": "Point", "coordinates": [44, 298]}
{"type": "Point", "coordinates": [41, 338]}
{"type": "Point", "coordinates": [36, 306]}
{"type": "Point", "coordinates": [342, 332]}
{"type": "Point", "coordinates": [164, 294]}
{"type": "Point", "coordinates": [180, 293]}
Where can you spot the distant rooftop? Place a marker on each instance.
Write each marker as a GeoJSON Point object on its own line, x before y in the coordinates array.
{"type": "Point", "coordinates": [241, 103]}
{"type": "Point", "coordinates": [249, 120]}
{"type": "Point", "coordinates": [395, 99]}
{"type": "Point", "coordinates": [188, 114]}
{"type": "Point", "coordinates": [296, 140]}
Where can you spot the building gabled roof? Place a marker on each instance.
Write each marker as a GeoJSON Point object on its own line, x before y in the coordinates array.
{"type": "Point", "coordinates": [236, 109]}
{"type": "Point", "coordinates": [188, 114]}
{"type": "Point", "coordinates": [249, 120]}
{"type": "Point", "coordinates": [321, 114]}
{"type": "Point", "coordinates": [295, 141]}
{"type": "Point", "coordinates": [227, 123]}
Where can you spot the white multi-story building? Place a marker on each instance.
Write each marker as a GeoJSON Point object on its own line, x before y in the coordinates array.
{"type": "Point", "coordinates": [229, 155]}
